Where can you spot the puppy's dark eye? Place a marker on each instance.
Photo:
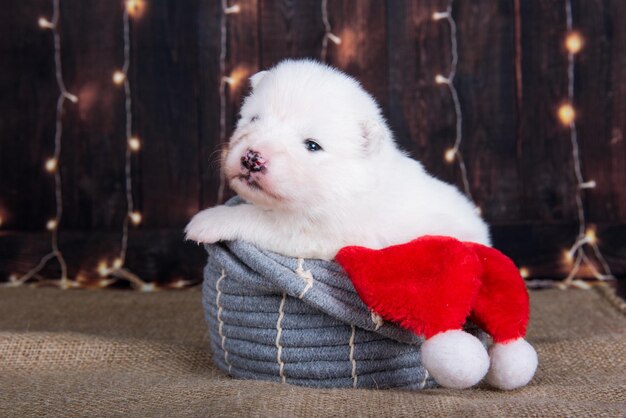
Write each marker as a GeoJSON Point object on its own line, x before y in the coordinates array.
{"type": "Point", "coordinates": [254, 118]}
{"type": "Point", "coordinates": [312, 145]}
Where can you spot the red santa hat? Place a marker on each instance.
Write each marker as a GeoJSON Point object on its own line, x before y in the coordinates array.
{"type": "Point", "coordinates": [431, 286]}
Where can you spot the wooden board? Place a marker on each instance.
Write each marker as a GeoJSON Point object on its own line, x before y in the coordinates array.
{"type": "Point", "coordinates": [511, 77]}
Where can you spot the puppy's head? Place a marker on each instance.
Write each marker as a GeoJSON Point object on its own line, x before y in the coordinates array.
{"type": "Point", "coordinates": [308, 136]}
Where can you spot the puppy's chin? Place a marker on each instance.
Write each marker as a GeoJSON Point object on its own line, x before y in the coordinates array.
{"type": "Point", "coordinates": [254, 191]}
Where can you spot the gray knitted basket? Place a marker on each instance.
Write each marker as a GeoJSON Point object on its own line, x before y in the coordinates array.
{"type": "Point", "coordinates": [300, 321]}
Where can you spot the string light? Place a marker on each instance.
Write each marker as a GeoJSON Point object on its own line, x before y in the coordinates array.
{"type": "Point", "coordinates": [135, 218]}
{"type": "Point", "coordinates": [454, 153]}
{"type": "Point", "coordinates": [576, 257]}
{"type": "Point", "coordinates": [524, 272]}
{"type": "Point", "coordinates": [117, 271]}
{"type": "Point", "coordinates": [328, 33]}
{"type": "Point", "coordinates": [574, 42]}
{"type": "Point", "coordinates": [135, 8]}
{"type": "Point", "coordinates": [119, 77]}
{"type": "Point", "coordinates": [224, 81]}
{"type": "Point", "coordinates": [134, 144]}
{"type": "Point", "coordinates": [52, 224]}
{"type": "Point", "coordinates": [566, 114]}
{"type": "Point", "coordinates": [45, 23]}
{"type": "Point", "coordinates": [449, 155]}
{"type": "Point", "coordinates": [51, 164]}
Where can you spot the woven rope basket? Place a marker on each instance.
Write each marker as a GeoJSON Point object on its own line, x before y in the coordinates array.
{"type": "Point", "coordinates": [300, 321]}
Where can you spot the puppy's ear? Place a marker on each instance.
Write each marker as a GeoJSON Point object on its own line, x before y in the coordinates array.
{"type": "Point", "coordinates": [256, 78]}
{"type": "Point", "coordinates": [373, 134]}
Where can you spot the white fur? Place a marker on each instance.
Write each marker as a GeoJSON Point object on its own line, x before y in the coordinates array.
{"type": "Point", "coordinates": [455, 359]}
{"type": "Point", "coordinates": [513, 364]}
{"type": "Point", "coordinates": [360, 190]}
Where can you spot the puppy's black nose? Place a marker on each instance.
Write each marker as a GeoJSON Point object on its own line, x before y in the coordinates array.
{"type": "Point", "coordinates": [253, 161]}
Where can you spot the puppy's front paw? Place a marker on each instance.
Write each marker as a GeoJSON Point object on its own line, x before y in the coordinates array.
{"type": "Point", "coordinates": [209, 226]}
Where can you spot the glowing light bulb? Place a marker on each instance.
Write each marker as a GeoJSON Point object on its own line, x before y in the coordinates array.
{"type": "Point", "coordinates": [440, 15]}
{"type": "Point", "coordinates": [524, 272]}
{"type": "Point", "coordinates": [334, 38]}
{"type": "Point", "coordinates": [52, 224]}
{"type": "Point", "coordinates": [45, 23]}
{"type": "Point", "coordinates": [228, 80]}
{"type": "Point", "coordinates": [590, 235]}
{"type": "Point", "coordinates": [135, 8]}
{"type": "Point", "coordinates": [135, 217]}
{"type": "Point", "coordinates": [449, 155]}
{"type": "Point", "coordinates": [134, 144]}
{"type": "Point", "coordinates": [148, 287]}
{"type": "Point", "coordinates": [51, 165]}
{"type": "Point", "coordinates": [119, 77]}
{"type": "Point", "coordinates": [103, 269]}
{"type": "Point", "coordinates": [568, 256]}
{"type": "Point", "coordinates": [439, 79]}
{"type": "Point", "coordinates": [566, 114]}
{"type": "Point", "coordinates": [574, 42]}
{"type": "Point", "coordinates": [118, 263]}
{"type": "Point", "coordinates": [235, 8]}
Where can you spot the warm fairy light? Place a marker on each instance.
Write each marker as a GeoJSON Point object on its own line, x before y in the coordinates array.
{"type": "Point", "coordinates": [135, 8]}
{"type": "Point", "coordinates": [148, 287]}
{"type": "Point", "coordinates": [454, 153]}
{"type": "Point", "coordinates": [566, 114]}
{"type": "Point", "coordinates": [440, 15]}
{"type": "Point", "coordinates": [45, 23]}
{"type": "Point", "coordinates": [229, 80]}
{"type": "Point", "coordinates": [524, 272]}
{"type": "Point", "coordinates": [52, 224]}
{"type": "Point", "coordinates": [574, 42]}
{"type": "Point", "coordinates": [590, 235]}
{"type": "Point", "coordinates": [51, 165]}
{"type": "Point", "coordinates": [103, 269]}
{"type": "Point", "coordinates": [1, 220]}
{"type": "Point", "coordinates": [119, 77]}
{"type": "Point", "coordinates": [439, 79]}
{"type": "Point", "coordinates": [235, 8]}
{"type": "Point", "coordinates": [118, 263]}
{"type": "Point", "coordinates": [576, 256]}
{"type": "Point", "coordinates": [134, 144]}
{"type": "Point", "coordinates": [568, 257]}
{"type": "Point", "coordinates": [135, 217]}
{"type": "Point", "coordinates": [449, 155]}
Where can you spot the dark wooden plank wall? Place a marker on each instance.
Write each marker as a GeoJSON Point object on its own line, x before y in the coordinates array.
{"type": "Point", "coordinates": [518, 155]}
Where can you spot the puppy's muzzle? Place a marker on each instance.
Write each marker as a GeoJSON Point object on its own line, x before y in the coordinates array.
{"type": "Point", "coordinates": [253, 161]}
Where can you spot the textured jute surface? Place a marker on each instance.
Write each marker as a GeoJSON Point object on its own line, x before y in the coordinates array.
{"type": "Point", "coordinates": [109, 353]}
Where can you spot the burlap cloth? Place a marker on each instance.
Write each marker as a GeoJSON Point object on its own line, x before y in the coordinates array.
{"type": "Point", "coordinates": [110, 353]}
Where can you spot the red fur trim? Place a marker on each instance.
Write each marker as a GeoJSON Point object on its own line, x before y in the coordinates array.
{"type": "Point", "coordinates": [430, 285]}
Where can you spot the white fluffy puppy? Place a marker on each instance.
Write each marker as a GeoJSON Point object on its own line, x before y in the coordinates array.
{"type": "Point", "coordinates": [319, 169]}
{"type": "Point", "coordinates": [313, 157]}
